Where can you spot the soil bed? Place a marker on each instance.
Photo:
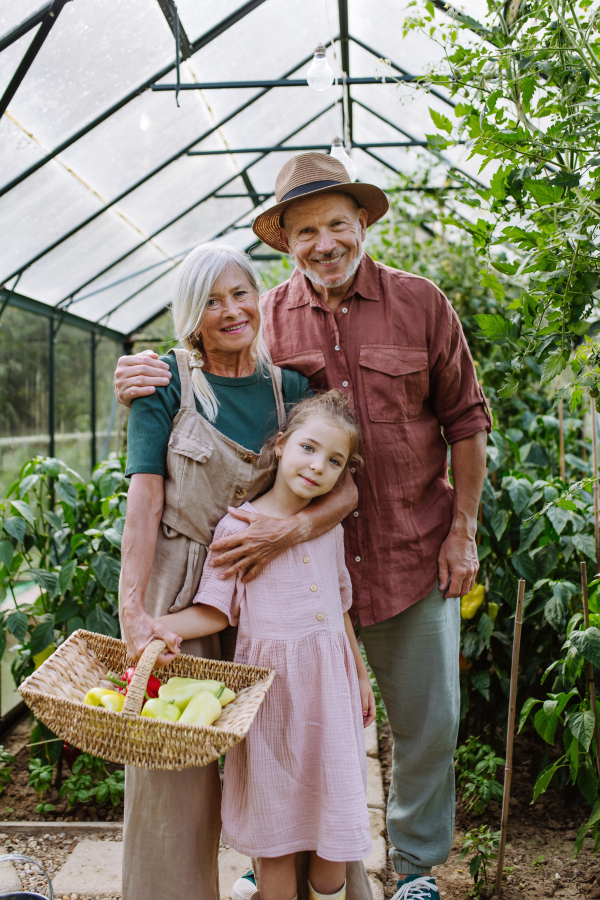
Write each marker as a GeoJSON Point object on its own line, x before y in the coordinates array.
{"type": "Point", "coordinates": [540, 838]}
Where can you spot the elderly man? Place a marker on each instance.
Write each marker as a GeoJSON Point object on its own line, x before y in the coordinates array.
{"type": "Point", "coordinates": [393, 343]}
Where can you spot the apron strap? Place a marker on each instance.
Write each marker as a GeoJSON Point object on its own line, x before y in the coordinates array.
{"type": "Point", "coordinates": [185, 376]}
{"type": "Point", "coordinates": [277, 383]}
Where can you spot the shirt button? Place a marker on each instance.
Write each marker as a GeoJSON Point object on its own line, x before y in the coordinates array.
{"type": "Point", "coordinates": [336, 347]}
{"type": "Point", "coordinates": [357, 559]}
{"type": "Point", "coordinates": [313, 587]}
{"type": "Point", "coordinates": [241, 492]}
{"type": "Point", "coordinates": [353, 470]}
{"type": "Point", "coordinates": [356, 515]}
{"type": "Point", "coordinates": [320, 617]}
{"type": "Point", "coordinates": [306, 559]}
{"type": "Point", "coordinates": [344, 309]}
{"type": "Point", "coordinates": [344, 384]}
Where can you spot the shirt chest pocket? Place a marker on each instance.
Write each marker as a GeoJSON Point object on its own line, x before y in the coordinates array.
{"type": "Point", "coordinates": [395, 380]}
{"type": "Point", "coordinates": [190, 446]}
{"type": "Point", "coordinates": [310, 363]}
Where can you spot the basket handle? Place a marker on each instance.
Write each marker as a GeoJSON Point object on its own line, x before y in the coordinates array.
{"type": "Point", "coordinates": [10, 857]}
{"type": "Point", "coordinates": [137, 686]}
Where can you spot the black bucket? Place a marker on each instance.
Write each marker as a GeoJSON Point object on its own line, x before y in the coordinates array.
{"type": "Point", "coordinates": [26, 895]}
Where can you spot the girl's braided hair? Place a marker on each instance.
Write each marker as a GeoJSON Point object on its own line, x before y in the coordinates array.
{"type": "Point", "coordinates": [333, 406]}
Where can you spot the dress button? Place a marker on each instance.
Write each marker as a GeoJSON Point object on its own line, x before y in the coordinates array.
{"type": "Point", "coordinates": [355, 515]}
{"type": "Point", "coordinates": [241, 492]}
{"type": "Point", "coordinates": [344, 384]}
{"type": "Point", "coordinates": [313, 587]}
{"type": "Point", "coordinates": [306, 559]}
{"type": "Point", "coordinates": [320, 617]}
{"type": "Point", "coordinates": [336, 347]}
{"type": "Point", "coordinates": [249, 458]}
{"type": "Point", "coordinates": [357, 559]}
{"type": "Point", "coordinates": [344, 309]}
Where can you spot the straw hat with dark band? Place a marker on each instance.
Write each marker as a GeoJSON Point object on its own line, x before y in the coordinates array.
{"type": "Point", "coordinates": [307, 175]}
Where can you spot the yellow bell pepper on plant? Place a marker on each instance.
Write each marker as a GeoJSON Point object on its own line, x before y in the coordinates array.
{"type": "Point", "coordinates": [493, 611]}
{"type": "Point", "coordinates": [470, 603]}
{"type": "Point", "coordinates": [202, 709]}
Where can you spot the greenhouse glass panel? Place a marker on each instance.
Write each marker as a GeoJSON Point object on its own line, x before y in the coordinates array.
{"type": "Point", "coordinates": [97, 52]}
{"type": "Point", "coordinates": [143, 306]}
{"type": "Point", "coordinates": [12, 14]}
{"type": "Point", "coordinates": [136, 140]}
{"type": "Point", "coordinates": [205, 221]}
{"type": "Point", "coordinates": [78, 259]}
{"type": "Point", "coordinates": [17, 150]}
{"type": "Point", "coordinates": [72, 398]}
{"type": "Point", "coordinates": [199, 16]}
{"type": "Point", "coordinates": [39, 211]}
{"type": "Point", "coordinates": [174, 190]}
{"type": "Point", "coordinates": [11, 57]}
{"type": "Point", "coordinates": [24, 391]}
{"type": "Point", "coordinates": [275, 117]}
{"type": "Point", "coordinates": [108, 417]}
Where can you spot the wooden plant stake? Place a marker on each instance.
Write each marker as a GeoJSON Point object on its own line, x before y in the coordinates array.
{"type": "Point", "coordinates": [595, 473]}
{"type": "Point", "coordinates": [590, 667]}
{"type": "Point", "coordinates": [561, 441]}
{"type": "Point", "coordinates": [510, 734]}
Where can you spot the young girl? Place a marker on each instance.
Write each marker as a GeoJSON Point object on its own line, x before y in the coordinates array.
{"type": "Point", "coordinates": [298, 781]}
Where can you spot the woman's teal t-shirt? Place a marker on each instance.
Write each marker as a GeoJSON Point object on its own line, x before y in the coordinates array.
{"type": "Point", "coordinates": [247, 414]}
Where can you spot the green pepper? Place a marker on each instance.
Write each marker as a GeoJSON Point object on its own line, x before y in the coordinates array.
{"type": "Point", "coordinates": [493, 611]}
{"type": "Point", "coordinates": [202, 709]}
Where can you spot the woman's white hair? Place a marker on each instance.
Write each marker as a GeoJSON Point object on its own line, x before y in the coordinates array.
{"type": "Point", "coordinates": [195, 280]}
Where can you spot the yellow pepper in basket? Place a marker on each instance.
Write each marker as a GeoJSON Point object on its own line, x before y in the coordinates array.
{"type": "Point", "coordinates": [470, 603]}
{"type": "Point", "coordinates": [181, 690]}
{"type": "Point", "coordinates": [159, 709]}
{"type": "Point", "coordinates": [202, 709]}
{"type": "Point", "coordinates": [112, 700]}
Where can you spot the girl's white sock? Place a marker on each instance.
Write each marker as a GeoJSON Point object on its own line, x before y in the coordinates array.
{"type": "Point", "coordinates": [314, 895]}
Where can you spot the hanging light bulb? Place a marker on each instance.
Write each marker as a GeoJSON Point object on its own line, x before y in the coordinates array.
{"type": "Point", "coordinates": [339, 152]}
{"type": "Point", "coordinates": [320, 73]}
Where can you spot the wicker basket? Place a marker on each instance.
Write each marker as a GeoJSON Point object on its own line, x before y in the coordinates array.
{"type": "Point", "coordinates": [56, 690]}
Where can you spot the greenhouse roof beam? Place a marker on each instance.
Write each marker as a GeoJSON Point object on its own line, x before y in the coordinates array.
{"type": "Point", "coordinates": [259, 83]}
{"type": "Point", "coordinates": [169, 11]}
{"type": "Point", "coordinates": [406, 75]}
{"type": "Point", "coordinates": [345, 51]}
{"type": "Point", "coordinates": [32, 51]}
{"type": "Point", "coordinates": [50, 312]}
{"type": "Point", "coordinates": [189, 209]}
{"type": "Point", "coordinates": [303, 148]}
{"type": "Point", "coordinates": [154, 172]}
{"type": "Point", "coordinates": [26, 25]}
{"type": "Point", "coordinates": [202, 41]}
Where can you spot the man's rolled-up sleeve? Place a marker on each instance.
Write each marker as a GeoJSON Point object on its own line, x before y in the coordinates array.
{"type": "Point", "coordinates": [456, 397]}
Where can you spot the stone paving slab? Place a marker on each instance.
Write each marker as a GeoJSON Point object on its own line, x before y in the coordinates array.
{"type": "Point", "coordinates": [231, 865]}
{"type": "Point", "coordinates": [9, 879]}
{"type": "Point", "coordinates": [93, 868]}
{"type": "Point", "coordinates": [371, 740]}
{"type": "Point", "coordinates": [375, 795]}
{"type": "Point", "coordinates": [377, 888]}
{"type": "Point", "coordinates": [376, 862]}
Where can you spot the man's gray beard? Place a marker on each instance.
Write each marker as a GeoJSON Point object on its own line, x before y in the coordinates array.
{"type": "Point", "coordinates": [315, 278]}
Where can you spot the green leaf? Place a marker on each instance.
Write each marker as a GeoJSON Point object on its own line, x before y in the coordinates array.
{"type": "Point", "coordinates": [481, 682]}
{"type": "Point", "coordinates": [498, 188]}
{"type": "Point", "coordinates": [546, 725]}
{"type": "Point", "coordinates": [65, 577]}
{"type": "Point", "coordinates": [554, 613]}
{"type": "Point", "coordinates": [475, 865]}
{"type": "Point", "coordinates": [65, 490]}
{"type": "Point", "coordinates": [582, 727]}
{"type": "Point", "coordinates": [588, 644]}
{"type": "Point", "coordinates": [490, 281]}
{"type": "Point", "coordinates": [524, 566]}
{"type": "Point", "coordinates": [108, 569]}
{"type": "Point", "coordinates": [42, 636]}
{"type": "Point", "coordinates": [66, 610]}
{"type": "Point", "coordinates": [520, 494]}
{"type": "Point", "coordinates": [586, 544]}
{"type": "Point", "coordinates": [102, 622]}
{"type": "Point", "coordinates": [6, 553]}
{"type": "Point", "coordinates": [24, 509]}
{"type": "Point", "coordinates": [485, 627]}
{"type": "Point", "coordinates": [2, 642]}
{"type": "Point", "coordinates": [15, 527]}
{"type": "Point", "coordinates": [27, 483]}
{"type": "Point", "coordinates": [17, 623]}
{"type": "Point", "coordinates": [499, 522]}
{"type": "Point", "coordinates": [587, 782]}
{"type": "Point", "coordinates": [48, 581]}
{"type": "Point", "coordinates": [527, 707]}
{"type": "Point", "coordinates": [497, 328]}
{"type": "Point", "coordinates": [545, 559]}
{"type": "Point", "coordinates": [542, 191]}
{"type": "Point", "coordinates": [440, 121]}
{"type": "Point", "coordinates": [544, 780]}
{"type": "Point", "coordinates": [112, 535]}
{"type": "Point", "coordinates": [554, 365]}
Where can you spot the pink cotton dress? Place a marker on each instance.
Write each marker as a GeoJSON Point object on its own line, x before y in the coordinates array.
{"type": "Point", "coordinates": [298, 781]}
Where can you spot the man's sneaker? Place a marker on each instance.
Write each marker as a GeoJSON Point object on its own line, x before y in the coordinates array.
{"type": "Point", "coordinates": [244, 887]}
{"type": "Point", "coordinates": [417, 887]}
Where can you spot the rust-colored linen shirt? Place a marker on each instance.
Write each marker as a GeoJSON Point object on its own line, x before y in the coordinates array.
{"type": "Point", "coordinates": [396, 347]}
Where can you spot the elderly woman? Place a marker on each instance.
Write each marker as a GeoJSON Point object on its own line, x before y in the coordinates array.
{"type": "Point", "coordinates": [193, 452]}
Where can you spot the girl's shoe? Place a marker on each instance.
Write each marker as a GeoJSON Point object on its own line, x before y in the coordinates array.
{"type": "Point", "coordinates": [417, 887]}
{"type": "Point", "coordinates": [244, 887]}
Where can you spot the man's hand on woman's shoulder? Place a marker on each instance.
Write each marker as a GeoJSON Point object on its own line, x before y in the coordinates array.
{"type": "Point", "coordinates": [140, 375]}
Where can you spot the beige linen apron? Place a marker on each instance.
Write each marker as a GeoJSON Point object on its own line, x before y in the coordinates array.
{"type": "Point", "coordinates": [172, 822]}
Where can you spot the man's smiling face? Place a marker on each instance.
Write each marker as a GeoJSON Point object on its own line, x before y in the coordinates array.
{"type": "Point", "coordinates": [325, 236]}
